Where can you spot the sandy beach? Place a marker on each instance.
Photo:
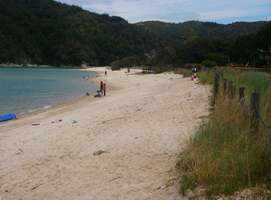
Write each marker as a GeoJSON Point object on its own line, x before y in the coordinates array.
{"type": "Point", "coordinates": [119, 147]}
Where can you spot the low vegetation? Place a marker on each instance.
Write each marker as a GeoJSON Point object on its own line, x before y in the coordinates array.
{"type": "Point", "coordinates": [225, 155]}
{"type": "Point", "coordinates": [185, 72]}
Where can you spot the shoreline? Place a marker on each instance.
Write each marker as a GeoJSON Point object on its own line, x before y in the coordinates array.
{"type": "Point", "coordinates": [34, 66]}
{"type": "Point", "coordinates": [60, 104]}
{"type": "Point", "coordinates": [116, 147]}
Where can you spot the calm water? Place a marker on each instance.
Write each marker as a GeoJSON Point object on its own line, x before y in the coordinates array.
{"type": "Point", "coordinates": [26, 90]}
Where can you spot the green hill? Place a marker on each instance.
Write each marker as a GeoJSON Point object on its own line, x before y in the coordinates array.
{"type": "Point", "coordinates": [47, 32]}
{"type": "Point", "coordinates": [52, 33]}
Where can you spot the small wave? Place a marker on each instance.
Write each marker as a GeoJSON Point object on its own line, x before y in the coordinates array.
{"type": "Point", "coordinates": [32, 110]}
{"type": "Point", "coordinates": [46, 107]}
{"type": "Point", "coordinates": [39, 109]}
{"type": "Point", "coordinates": [21, 113]}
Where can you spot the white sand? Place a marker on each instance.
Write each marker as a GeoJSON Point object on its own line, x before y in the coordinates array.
{"type": "Point", "coordinates": [142, 125]}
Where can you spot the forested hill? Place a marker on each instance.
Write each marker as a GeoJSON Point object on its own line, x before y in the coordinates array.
{"type": "Point", "coordinates": [48, 32]}
{"type": "Point", "coordinates": [192, 29]}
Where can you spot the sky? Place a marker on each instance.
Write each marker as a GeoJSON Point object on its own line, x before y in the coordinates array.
{"type": "Point", "coordinates": [220, 11]}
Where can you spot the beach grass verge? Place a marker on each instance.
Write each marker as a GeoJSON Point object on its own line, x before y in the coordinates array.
{"type": "Point", "coordinates": [224, 155]}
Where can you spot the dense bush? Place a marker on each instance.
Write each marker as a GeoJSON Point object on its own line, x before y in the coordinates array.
{"type": "Point", "coordinates": [209, 63]}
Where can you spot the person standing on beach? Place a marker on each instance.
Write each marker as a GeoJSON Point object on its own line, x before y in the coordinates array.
{"type": "Point", "coordinates": [105, 73]}
{"type": "Point", "coordinates": [194, 73]}
{"type": "Point", "coordinates": [102, 87]}
{"type": "Point", "coordinates": [194, 69]}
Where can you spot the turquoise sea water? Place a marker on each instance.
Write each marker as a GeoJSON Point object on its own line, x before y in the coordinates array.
{"type": "Point", "coordinates": [27, 90]}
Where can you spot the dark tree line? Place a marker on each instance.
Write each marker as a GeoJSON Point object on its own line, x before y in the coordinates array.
{"type": "Point", "coordinates": [254, 49]}
{"type": "Point", "coordinates": [198, 42]}
{"type": "Point", "coordinates": [48, 32]}
{"type": "Point", "coordinates": [52, 33]}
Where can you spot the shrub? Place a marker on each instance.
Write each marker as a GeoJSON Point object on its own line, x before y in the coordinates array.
{"type": "Point", "coordinates": [115, 68]}
{"type": "Point", "coordinates": [209, 63]}
{"type": "Point", "coordinates": [116, 65]}
{"type": "Point", "coordinates": [219, 58]}
{"type": "Point", "coordinates": [183, 71]}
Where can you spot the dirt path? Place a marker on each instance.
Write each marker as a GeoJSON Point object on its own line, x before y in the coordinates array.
{"type": "Point", "coordinates": [121, 147]}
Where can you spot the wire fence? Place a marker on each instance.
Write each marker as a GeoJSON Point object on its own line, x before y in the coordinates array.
{"type": "Point", "coordinates": [229, 89]}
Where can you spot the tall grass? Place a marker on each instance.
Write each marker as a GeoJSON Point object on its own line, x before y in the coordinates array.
{"type": "Point", "coordinates": [206, 77]}
{"type": "Point", "coordinates": [224, 155]}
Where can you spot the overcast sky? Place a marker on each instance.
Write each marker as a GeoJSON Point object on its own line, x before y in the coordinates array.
{"type": "Point", "coordinates": [221, 11]}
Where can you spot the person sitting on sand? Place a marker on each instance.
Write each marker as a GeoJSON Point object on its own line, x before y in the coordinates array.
{"type": "Point", "coordinates": [99, 94]}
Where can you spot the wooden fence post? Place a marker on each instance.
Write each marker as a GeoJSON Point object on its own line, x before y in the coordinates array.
{"type": "Point", "coordinates": [254, 112]}
{"type": "Point", "coordinates": [233, 91]}
{"type": "Point", "coordinates": [225, 85]}
{"type": "Point", "coordinates": [242, 94]}
{"type": "Point", "coordinates": [230, 84]}
{"type": "Point", "coordinates": [221, 75]}
{"type": "Point", "coordinates": [216, 87]}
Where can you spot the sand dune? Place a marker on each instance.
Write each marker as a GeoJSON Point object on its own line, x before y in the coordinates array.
{"type": "Point", "coordinates": [119, 147]}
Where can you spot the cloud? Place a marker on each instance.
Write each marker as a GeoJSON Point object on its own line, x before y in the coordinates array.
{"type": "Point", "coordinates": [180, 10]}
